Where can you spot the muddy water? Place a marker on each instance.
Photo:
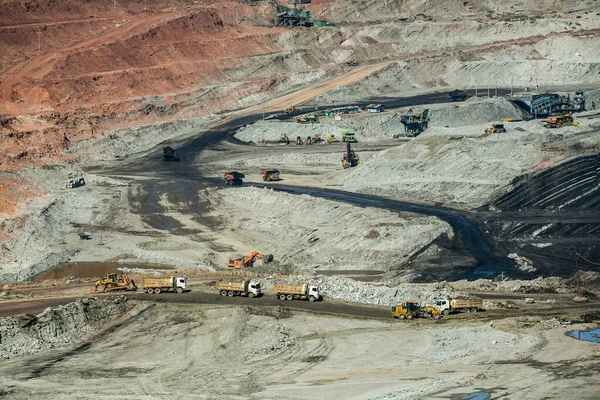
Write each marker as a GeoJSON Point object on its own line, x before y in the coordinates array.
{"type": "Point", "coordinates": [587, 336]}
{"type": "Point", "coordinates": [92, 269]}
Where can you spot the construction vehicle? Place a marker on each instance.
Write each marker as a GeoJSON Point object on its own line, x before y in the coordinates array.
{"type": "Point", "coordinates": [74, 183]}
{"type": "Point", "coordinates": [114, 282]}
{"type": "Point", "coordinates": [349, 137]}
{"type": "Point", "coordinates": [245, 288]}
{"type": "Point", "coordinates": [299, 140]}
{"type": "Point", "coordinates": [303, 291]}
{"type": "Point", "coordinates": [414, 125]}
{"type": "Point", "coordinates": [309, 140]}
{"type": "Point", "coordinates": [169, 155]}
{"type": "Point", "coordinates": [270, 175]}
{"type": "Point", "coordinates": [558, 121]}
{"type": "Point", "coordinates": [288, 16]}
{"type": "Point", "coordinates": [290, 110]}
{"type": "Point", "coordinates": [350, 159]}
{"type": "Point", "coordinates": [308, 118]}
{"type": "Point", "coordinates": [283, 139]}
{"type": "Point", "coordinates": [450, 305]}
{"type": "Point", "coordinates": [458, 95]}
{"type": "Point", "coordinates": [332, 139]}
{"type": "Point", "coordinates": [84, 236]}
{"type": "Point", "coordinates": [317, 139]}
{"type": "Point", "coordinates": [495, 128]}
{"type": "Point", "coordinates": [157, 285]}
{"type": "Point", "coordinates": [248, 261]}
{"type": "Point", "coordinates": [411, 309]}
{"type": "Point", "coordinates": [233, 178]}
{"type": "Point", "coordinates": [352, 63]}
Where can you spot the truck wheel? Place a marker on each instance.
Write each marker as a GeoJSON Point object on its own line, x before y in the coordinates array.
{"type": "Point", "coordinates": [289, 297]}
{"type": "Point", "coordinates": [157, 290]}
{"type": "Point", "coordinates": [466, 310]}
{"type": "Point", "coordinates": [446, 312]}
{"type": "Point", "coordinates": [409, 316]}
{"type": "Point", "coordinates": [473, 310]}
{"type": "Point", "coordinates": [282, 297]}
{"type": "Point", "coordinates": [251, 295]}
{"type": "Point", "coordinates": [311, 299]}
{"type": "Point", "coordinates": [401, 316]}
{"type": "Point", "coordinates": [223, 293]}
{"type": "Point", "coordinates": [230, 293]}
{"type": "Point", "coordinates": [179, 290]}
{"type": "Point", "coordinates": [436, 316]}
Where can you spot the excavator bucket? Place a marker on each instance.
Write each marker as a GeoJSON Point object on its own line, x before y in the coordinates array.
{"type": "Point", "coordinates": [269, 258]}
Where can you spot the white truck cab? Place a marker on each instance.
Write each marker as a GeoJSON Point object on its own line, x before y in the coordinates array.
{"type": "Point", "coordinates": [254, 287]}
{"type": "Point", "coordinates": [314, 292]}
{"type": "Point", "coordinates": [442, 304]}
{"type": "Point", "coordinates": [181, 283]}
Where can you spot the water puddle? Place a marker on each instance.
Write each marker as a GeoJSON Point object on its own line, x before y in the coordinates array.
{"type": "Point", "coordinates": [93, 269]}
{"type": "Point", "coordinates": [592, 335]}
{"type": "Point", "coordinates": [476, 396]}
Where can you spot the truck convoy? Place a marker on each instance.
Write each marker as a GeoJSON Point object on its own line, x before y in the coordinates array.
{"type": "Point", "coordinates": [350, 158]}
{"type": "Point", "coordinates": [297, 292]}
{"type": "Point", "coordinates": [172, 284]}
{"type": "Point", "coordinates": [449, 305]}
{"type": "Point", "coordinates": [245, 288]}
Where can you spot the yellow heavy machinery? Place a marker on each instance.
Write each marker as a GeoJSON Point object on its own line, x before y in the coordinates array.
{"type": "Point", "coordinates": [412, 309]}
{"type": "Point", "coordinates": [283, 139]}
{"type": "Point", "coordinates": [352, 63]}
{"type": "Point", "coordinates": [248, 261]}
{"type": "Point", "coordinates": [290, 110]}
{"type": "Point", "coordinates": [495, 128]}
{"type": "Point", "coordinates": [350, 158]}
{"type": "Point", "coordinates": [558, 121]}
{"type": "Point", "coordinates": [332, 139]}
{"type": "Point", "coordinates": [114, 282]}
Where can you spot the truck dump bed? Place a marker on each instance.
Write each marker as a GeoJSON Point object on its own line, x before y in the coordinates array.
{"type": "Point", "coordinates": [289, 289]}
{"type": "Point", "coordinates": [233, 286]}
{"type": "Point", "coordinates": [158, 282]}
{"type": "Point", "coordinates": [466, 303]}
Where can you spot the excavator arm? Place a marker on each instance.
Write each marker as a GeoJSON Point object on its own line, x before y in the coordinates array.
{"type": "Point", "coordinates": [248, 261]}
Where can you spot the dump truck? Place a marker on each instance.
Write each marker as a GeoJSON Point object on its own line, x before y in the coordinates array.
{"type": "Point", "coordinates": [74, 183]}
{"type": "Point", "coordinates": [248, 261]}
{"type": "Point", "coordinates": [114, 282]}
{"type": "Point", "coordinates": [450, 305]}
{"type": "Point", "coordinates": [233, 178]}
{"type": "Point", "coordinates": [317, 139]}
{"type": "Point", "coordinates": [558, 121]}
{"type": "Point", "coordinates": [245, 288]}
{"type": "Point", "coordinates": [495, 128]}
{"type": "Point", "coordinates": [169, 155]}
{"type": "Point", "coordinates": [303, 291]}
{"type": "Point", "coordinates": [270, 175]}
{"type": "Point", "coordinates": [348, 136]}
{"type": "Point", "coordinates": [171, 284]}
{"type": "Point", "coordinates": [308, 118]}
{"type": "Point", "coordinates": [332, 139]}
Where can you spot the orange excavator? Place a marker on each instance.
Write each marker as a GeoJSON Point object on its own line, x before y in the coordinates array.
{"type": "Point", "coordinates": [248, 261]}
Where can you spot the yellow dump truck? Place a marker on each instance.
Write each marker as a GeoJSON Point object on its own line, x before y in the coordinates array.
{"type": "Point", "coordinates": [172, 284]}
{"type": "Point", "coordinates": [243, 288]}
{"type": "Point", "coordinates": [447, 306]}
{"type": "Point", "coordinates": [303, 291]}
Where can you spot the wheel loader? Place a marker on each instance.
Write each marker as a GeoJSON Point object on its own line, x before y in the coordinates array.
{"type": "Point", "coordinates": [114, 282]}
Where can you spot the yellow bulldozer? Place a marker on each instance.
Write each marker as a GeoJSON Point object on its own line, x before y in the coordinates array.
{"type": "Point", "coordinates": [412, 309]}
{"type": "Point", "coordinates": [114, 282]}
{"type": "Point", "coordinates": [495, 128]}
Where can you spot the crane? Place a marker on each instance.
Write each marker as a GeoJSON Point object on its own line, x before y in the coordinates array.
{"type": "Point", "coordinates": [248, 261]}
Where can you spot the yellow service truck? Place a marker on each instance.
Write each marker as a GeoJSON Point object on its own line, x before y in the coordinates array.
{"type": "Point", "coordinates": [171, 284]}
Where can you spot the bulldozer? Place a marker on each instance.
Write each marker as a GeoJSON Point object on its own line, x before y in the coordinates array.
{"type": "Point", "coordinates": [332, 139]}
{"type": "Point", "coordinates": [495, 128]}
{"type": "Point", "coordinates": [558, 121]}
{"type": "Point", "coordinates": [350, 159]}
{"type": "Point", "coordinates": [352, 63]}
{"type": "Point", "coordinates": [412, 309]}
{"type": "Point", "coordinates": [114, 282]}
{"type": "Point", "coordinates": [248, 261]}
{"type": "Point", "coordinates": [290, 110]}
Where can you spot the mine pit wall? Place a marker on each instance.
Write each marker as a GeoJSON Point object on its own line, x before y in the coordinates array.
{"type": "Point", "coordinates": [65, 325]}
{"type": "Point", "coordinates": [557, 214]}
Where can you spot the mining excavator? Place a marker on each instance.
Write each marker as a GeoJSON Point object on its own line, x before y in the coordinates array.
{"type": "Point", "coordinates": [114, 282]}
{"type": "Point", "coordinates": [248, 261]}
{"type": "Point", "coordinates": [350, 159]}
